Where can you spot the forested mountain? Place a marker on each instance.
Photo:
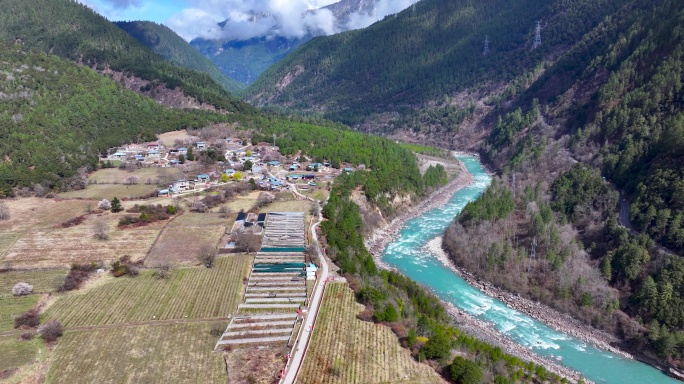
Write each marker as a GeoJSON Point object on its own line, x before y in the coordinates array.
{"type": "Point", "coordinates": [422, 57]}
{"type": "Point", "coordinates": [56, 117]}
{"type": "Point", "coordinates": [245, 60]}
{"type": "Point", "coordinates": [166, 43]}
{"type": "Point", "coordinates": [606, 117]}
{"type": "Point", "coordinates": [71, 30]}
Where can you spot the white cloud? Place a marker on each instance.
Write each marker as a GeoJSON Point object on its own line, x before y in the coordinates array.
{"type": "Point", "coordinates": [256, 18]}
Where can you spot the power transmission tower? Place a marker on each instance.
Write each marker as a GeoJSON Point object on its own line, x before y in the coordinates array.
{"type": "Point", "coordinates": [274, 137]}
{"type": "Point", "coordinates": [537, 35]}
{"type": "Point", "coordinates": [486, 46]}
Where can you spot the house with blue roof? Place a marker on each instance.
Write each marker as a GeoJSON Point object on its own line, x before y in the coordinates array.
{"type": "Point", "coordinates": [202, 177]}
{"type": "Point", "coordinates": [182, 151]}
{"type": "Point", "coordinates": [313, 166]}
{"type": "Point", "coordinates": [348, 170]}
{"type": "Point", "coordinates": [274, 163]}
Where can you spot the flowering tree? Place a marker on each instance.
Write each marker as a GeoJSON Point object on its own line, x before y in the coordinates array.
{"type": "Point", "coordinates": [21, 288]}
{"type": "Point", "coordinates": [104, 204]}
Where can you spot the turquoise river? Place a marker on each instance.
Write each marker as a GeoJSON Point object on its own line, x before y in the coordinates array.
{"type": "Point", "coordinates": [407, 253]}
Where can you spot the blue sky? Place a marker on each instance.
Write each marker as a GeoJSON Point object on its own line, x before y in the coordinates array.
{"type": "Point", "coordinates": [152, 10]}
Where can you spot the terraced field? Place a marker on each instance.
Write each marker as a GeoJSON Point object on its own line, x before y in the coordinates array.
{"type": "Point", "coordinates": [168, 353]}
{"type": "Point", "coordinates": [346, 350]}
{"type": "Point", "coordinates": [191, 293]}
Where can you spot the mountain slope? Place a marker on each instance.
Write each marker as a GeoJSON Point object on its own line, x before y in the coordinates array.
{"type": "Point", "coordinates": [424, 53]}
{"type": "Point", "coordinates": [166, 43]}
{"type": "Point", "coordinates": [75, 32]}
{"type": "Point", "coordinates": [600, 127]}
{"type": "Point", "coordinates": [57, 116]}
{"type": "Point", "coordinates": [244, 61]}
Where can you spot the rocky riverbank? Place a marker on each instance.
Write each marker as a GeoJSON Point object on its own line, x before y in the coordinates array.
{"type": "Point", "coordinates": [382, 236]}
{"type": "Point", "coordinates": [547, 315]}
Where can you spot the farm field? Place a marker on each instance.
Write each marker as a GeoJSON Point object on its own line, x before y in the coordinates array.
{"type": "Point", "coordinates": [16, 353]}
{"type": "Point", "coordinates": [168, 138]}
{"type": "Point", "coordinates": [42, 281]}
{"type": "Point", "coordinates": [191, 293]}
{"type": "Point", "coordinates": [184, 237]}
{"type": "Point", "coordinates": [32, 212]}
{"type": "Point", "coordinates": [60, 247]}
{"type": "Point", "coordinates": [12, 306]}
{"type": "Point", "coordinates": [346, 350]}
{"type": "Point", "coordinates": [109, 191]}
{"type": "Point", "coordinates": [168, 353]}
{"type": "Point", "coordinates": [243, 203]}
{"type": "Point", "coordinates": [117, 176]}
{"type": "Point", "coordinates": [316, 194]}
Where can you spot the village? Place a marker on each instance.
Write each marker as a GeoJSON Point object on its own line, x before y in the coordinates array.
{"type": "Point", "coordinates": [229, 159]}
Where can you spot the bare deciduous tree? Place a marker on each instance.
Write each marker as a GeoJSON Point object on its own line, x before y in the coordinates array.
{"type": "Point", "coordinates": [248, 243]}
{"type": "Point", "coordinates": [207, 256]}
{"type": "Point", "coordinates": [101, 230]}
{"type": "Point", "coordinates": [4, 211]}
{"type": "Point", "coordinates": [131, 180]}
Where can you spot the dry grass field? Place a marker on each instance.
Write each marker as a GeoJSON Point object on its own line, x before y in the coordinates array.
{"type": "Point", "coordinates": [42, 281]}
{"type": "Point", "coordinates": [6, 242]}
{"type": "Point", "coordinates": [258, 365]}
{"type": "Point", "coordinates": [59, 247]}
{"type": "Point", "coordinates": [243, 203]}
{"type": "Point", "coordinates": [189, 293]}
{"type": "Point", "coordinates": [346, 350]}
{"type": "Point", "coordinates": [117, 176]}
{"type": "Point", "coordinates": [169, 138]}
{"type": "Point", "coordinates": [182, 239]}
{"type": "Point", "coordinates": [12, 306]}
{"type": "Point", "coordinates": [31, 212]}
{"type": "Point", "coordinates": [168, 353]}
{"type": "Point", "coordinates": [109, 191]}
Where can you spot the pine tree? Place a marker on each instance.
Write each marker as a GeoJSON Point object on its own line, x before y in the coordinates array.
{"type": "Point", "coordinates": [116, 205]}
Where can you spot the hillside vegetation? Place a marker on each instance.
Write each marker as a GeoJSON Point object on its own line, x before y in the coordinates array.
{"type": "Point", "coordinates": [608, 116]}
{"type": "Point", "coordinates": [58, 117]}
{"type": "Point", "coordinates": [425, 54]}
{"type": "Point", "coordinates": [71, 30]}
{"type": "Point", "coordinates": [166, 43]}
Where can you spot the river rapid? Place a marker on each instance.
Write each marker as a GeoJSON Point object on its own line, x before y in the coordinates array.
{"type": "Point", "coordinates": [408, 254]}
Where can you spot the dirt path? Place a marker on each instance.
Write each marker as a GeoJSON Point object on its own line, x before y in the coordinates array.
{"type": "Point", "coordinates": [132, 324]}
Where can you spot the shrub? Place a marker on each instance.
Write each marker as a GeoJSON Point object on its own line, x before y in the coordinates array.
{"type": "Point", "coordinates": [77, 275]}
{"type": "Point", "coordinates": [29, 319]}
{"type": "Point", "coordinates": [124, 266]}
{"type": "Point", "coordinates": [21, 288]}
{"type": "Point", "coordinates": [51, 330]}
{"type": "Point", "coordinates": [73, 222]}
{"type": "Point", "coordinates": [104, 204]}
{"type": "Point", "coordinates": [27, 335]}
{"type": "Point", "coordinates": [148, 214]}
{"type": "Point", "coordinates": [216, 330]}
{"type": "Point", "coordinates": [163, 271]}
